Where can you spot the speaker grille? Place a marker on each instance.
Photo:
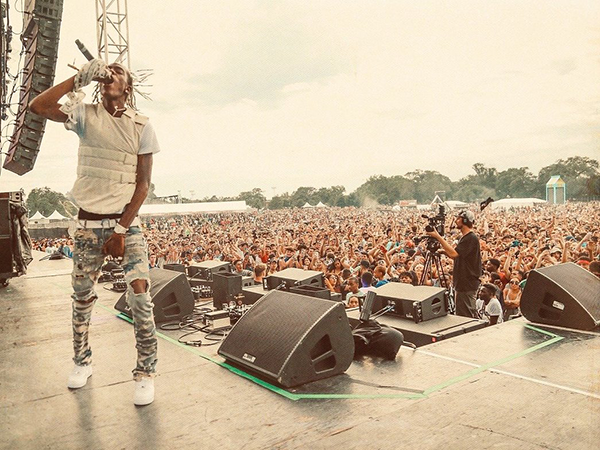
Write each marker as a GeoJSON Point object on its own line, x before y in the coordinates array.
{"type": "Point", "coordinates": [570, 279]}
{"type": "Point", "coordinates": [171, 295]}
{"type": "Point", "coordinates": [564, 295]}
{"type": "Point", "coordinates": [264, 323]}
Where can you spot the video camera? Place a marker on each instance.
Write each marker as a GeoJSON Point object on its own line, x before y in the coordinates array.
{"type": "Point", "coordinates": [437, 223]}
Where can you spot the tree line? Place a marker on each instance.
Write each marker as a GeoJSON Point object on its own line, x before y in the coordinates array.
{"type": "Point", "coordinates": [581, 174]}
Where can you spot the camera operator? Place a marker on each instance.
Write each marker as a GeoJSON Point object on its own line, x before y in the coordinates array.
{"type": "Point", "coordinates": [467, 263]}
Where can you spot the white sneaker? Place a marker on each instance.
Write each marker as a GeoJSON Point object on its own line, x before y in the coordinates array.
{"type": "Point", "coordinates": [144, 391]}
{"type": "Point", "coordinates": [79, 376]}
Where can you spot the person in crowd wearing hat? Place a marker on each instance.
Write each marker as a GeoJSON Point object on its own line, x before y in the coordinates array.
{"type": "Point", "coordinates": [467, 263]}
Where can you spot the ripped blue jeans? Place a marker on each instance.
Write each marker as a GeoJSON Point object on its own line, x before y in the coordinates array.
{"type": "Point", "coordinates": [87, 263]}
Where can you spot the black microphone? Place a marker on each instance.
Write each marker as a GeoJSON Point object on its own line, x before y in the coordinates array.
{"type": "Point", "coordinates": [84, 50]}
{"type": "Point", "coordinates": [367, 306]}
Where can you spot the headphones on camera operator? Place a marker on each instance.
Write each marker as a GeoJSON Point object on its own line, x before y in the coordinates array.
{"type": "Point", "coordinates": [467, 217]}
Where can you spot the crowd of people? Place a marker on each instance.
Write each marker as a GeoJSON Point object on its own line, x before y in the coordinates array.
{"type": "Point", "coordinates": [360, 248]}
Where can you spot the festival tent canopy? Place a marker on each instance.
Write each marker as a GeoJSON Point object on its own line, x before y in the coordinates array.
{"type": "Point", "coordinates": [321, 205]}
{"type": "Point", "coordinates": [37, 216]}
{"type": "Point", "coordinates": [308, 205]}
{"type": "Point", "coordinates": [507, 203]}
{"type": "Point", "coordinates": [437, 200]}
{"type": "Point", "coordinates": [193, 208]}
{"type": "Point", "coordinates": [456, 204]}
{"type": "Point", "coordinates": [57, 216]}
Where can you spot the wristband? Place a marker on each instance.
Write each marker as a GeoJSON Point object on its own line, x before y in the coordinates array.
{"type": "Point", "coordinates": [120, 229]}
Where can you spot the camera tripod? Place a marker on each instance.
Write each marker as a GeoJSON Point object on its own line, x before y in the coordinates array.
{"type": "Point", "coordinates": [434, 259]}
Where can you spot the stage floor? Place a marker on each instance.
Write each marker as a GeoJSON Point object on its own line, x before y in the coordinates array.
{"type": "Point", "coordinates": [515, 385]}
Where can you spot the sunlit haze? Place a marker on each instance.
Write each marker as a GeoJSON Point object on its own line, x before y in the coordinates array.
{"type": "Point", "coordinates": [283, 94]}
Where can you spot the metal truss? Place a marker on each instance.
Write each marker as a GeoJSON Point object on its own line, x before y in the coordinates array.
{"type": "Point", "coordinates": [112, 31]}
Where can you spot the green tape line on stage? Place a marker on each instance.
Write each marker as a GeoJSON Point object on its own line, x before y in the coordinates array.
{"type": "Point", "coordinates": [485, 367]}
{"type": "Point", "coordinates": [235, 370]}
{"type": "Point", "coordinates": [539, 330]}
{"type": "Point", "coordinates": [266, 385]}
{"type": "Point", "coordinates": [293, 396]}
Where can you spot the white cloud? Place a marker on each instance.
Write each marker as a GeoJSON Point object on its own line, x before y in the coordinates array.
{"type": "Point", "coordinates": [288, 94]}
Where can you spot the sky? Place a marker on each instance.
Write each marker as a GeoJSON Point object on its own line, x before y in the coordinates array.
{"type": "Point", "coordinates": [282, 94]}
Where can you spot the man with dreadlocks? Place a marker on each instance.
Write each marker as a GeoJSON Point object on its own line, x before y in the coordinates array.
{"type": "Point", "coordinates": [116, 145]}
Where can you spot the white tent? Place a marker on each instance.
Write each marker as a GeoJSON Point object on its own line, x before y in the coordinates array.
{"type": "Point", "coordinates": [57, 216]}
{"type": "Point", "coordinates": [436, 201]}
{"type": "Point", "coordinates": [456, 204]}
{"type": "Point", "coordinates": [321, 205]}
{"type": "Point", "coordinates": [38, 217]}
{"type": "Point", "coordinates": [507, 203]}
{"type": "Point", "coordinates": [193, 208]}
{"type": "Point", "coordinates": [308, 205]}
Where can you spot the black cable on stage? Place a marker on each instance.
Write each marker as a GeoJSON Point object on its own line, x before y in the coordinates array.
{"type": "Point", "coordinates": [194, 323]}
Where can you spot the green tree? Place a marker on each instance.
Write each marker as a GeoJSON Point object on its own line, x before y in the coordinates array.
{"type": "Point", "coordinates": [254, 198]}
{"type": "Point", "coordinates": [470, 192]}
{"type": "Point", "coordinates": [151, 197]}
{"type": "Point", "coordinates": [576, 171]}
{"type": "Point", "coordinates": [516, 183]}
{"type": "Point", "coordinates": [332, 196]}
{"type": "Point", "coordinates": [280, 201]}
{"type": "Point", "coordinates": [485, 176]}
{"type": "Point", "coordinates": [46, 201]}
{"type": "Point", "coordinates": [385, 190]}
{"type": "Point", "coordinates": [302, 195]}
{"type": "Point", "coordinates": [427, 183]}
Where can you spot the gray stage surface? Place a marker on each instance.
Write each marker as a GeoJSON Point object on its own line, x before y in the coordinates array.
{"type": "Point", "coordinates": [516, 385]}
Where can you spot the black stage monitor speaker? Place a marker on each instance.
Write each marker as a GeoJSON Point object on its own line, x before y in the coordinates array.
{"type": "Point", "coordinates": [294, 277]}
{"type": "Point", "coordinates": [418, 303]}
{"type": "Point", "coordinates": [171, 295]}
{"type": "Point", "coordinates": [225, 287]}
{"type": "Point", "coordinates": [252, 294]}
{"type": "Point", "coordinates": [206, 269]}
{"type": "Point", "coordinates": [312, 291]}
{"type": "Point", "coordinates": [564, 295]}
{"type": "Point", "coordinates": [291, 339]}
{"type": "Point", "coordinates": [176, 267]}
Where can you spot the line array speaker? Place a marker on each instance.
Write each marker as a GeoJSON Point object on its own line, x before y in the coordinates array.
{"type": "Point", "coordinates": [40, 40]}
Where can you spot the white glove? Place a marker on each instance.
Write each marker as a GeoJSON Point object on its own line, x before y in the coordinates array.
{"type": "Point", "coordinates": [94, 70]}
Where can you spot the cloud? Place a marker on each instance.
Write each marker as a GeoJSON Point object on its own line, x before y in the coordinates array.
{"type": "Point", "coordinates": [273, 51]}
{"type": "Point", "coordinates": [564, 66]}
{"type": "Point", "coordinates": [287, 94]}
